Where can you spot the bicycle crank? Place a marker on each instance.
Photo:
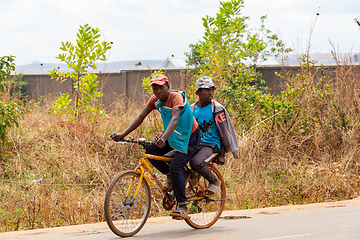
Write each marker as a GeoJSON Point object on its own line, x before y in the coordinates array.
{"type": "Point", "coordinates": [168, 202]}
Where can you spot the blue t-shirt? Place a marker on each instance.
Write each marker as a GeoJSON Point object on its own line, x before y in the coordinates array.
{"type": "Point", "coordinates": [209, 132]}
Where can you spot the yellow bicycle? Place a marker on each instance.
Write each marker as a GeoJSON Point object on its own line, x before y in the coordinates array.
{"type": "Point", "coordinates": [127, 201]}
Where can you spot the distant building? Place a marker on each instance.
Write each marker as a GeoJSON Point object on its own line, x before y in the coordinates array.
{"type": "Point", "coordinates": [174, 63]}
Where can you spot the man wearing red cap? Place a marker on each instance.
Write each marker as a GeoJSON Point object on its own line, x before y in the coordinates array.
{"type": "Point", "coordinates": [181, 134]}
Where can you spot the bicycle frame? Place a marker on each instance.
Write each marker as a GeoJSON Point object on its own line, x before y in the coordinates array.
{"type": "Point", "coordinates": [143, 165]}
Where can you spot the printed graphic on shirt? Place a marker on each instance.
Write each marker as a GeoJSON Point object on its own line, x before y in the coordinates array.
{"type": "Point", "coordinates": [220, 117]}
{"type": "Point", "coordinates": [205, 128]}
{"type": "Point", "coordinates": [208, 129]}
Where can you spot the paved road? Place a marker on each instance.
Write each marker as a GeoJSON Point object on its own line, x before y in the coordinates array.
{"type": "Point", "coordinates": [324, 221]}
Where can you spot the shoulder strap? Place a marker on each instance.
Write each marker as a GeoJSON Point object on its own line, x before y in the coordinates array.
{"type": "Point", "coordinates": [193, 105]}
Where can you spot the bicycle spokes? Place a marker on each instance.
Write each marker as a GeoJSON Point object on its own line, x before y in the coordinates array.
{"type": "Point", "coordinates": [204, 210]}
{"type": "Point", "coordinates": [127, 204]}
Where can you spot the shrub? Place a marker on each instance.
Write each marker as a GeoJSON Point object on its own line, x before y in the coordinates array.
{"type": "Point", "coordinates": [11, 109]}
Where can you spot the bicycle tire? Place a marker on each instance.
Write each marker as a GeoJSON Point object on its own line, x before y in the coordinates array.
{"type": "Point", "coordinates": [204, 212]}
{"type": "Point", "coordinates": [126, 216]}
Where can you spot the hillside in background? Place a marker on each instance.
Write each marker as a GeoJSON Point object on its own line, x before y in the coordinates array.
{"type": "Point", "coordinates": [321, 58]}
{"type": "Point", "coordinates": [37, 67]}
{"type": "Point", "coordinates": [291, 59]}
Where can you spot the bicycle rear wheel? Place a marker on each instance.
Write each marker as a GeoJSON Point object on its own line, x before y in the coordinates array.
{"type": "Point", "coordinates": [204, 211]}
{"type": "Point", "coordinates": [125, 212]}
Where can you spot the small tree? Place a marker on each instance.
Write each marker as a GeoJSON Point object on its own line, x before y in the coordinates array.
{"type": "Point", "coordinates": [79, 58]}
{"type": "Point", "coordinates": [11, 110]}
{"type": "Point", "coordinates": [229, 52]}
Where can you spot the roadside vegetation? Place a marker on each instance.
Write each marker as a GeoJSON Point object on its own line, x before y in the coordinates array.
{"type": "Point", "coordinates": [297, 148]}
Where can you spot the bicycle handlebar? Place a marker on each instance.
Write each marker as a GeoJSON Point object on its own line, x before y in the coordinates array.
{"type": "Point", "coordinates": [140, 141]}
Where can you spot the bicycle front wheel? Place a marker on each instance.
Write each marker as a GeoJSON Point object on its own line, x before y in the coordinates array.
{"type": "Point", "coordinates": [127, 204]}
{"type": "Point", "coordinates": [204, 211]}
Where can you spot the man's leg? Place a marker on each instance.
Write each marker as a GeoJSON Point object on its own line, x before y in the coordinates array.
{"type": "Point", "coordinates": [162, 166]}
{"type": "Point", "coordinates": [177, 168]}
{"type": "Point", "coordinates": [200, 160]}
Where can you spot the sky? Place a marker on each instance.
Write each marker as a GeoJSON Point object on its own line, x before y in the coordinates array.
{"type": "Point", "coordinates": [33, 30]}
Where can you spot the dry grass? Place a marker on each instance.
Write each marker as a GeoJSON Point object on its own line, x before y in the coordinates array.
{"type": "Point", "coordinates": [56, 173]}
{"type": "Point", "coordinates": [293, 164]}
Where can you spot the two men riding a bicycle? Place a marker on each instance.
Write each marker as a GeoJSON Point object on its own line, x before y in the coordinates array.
{"type": "Point", "coordinates": [183, 134]}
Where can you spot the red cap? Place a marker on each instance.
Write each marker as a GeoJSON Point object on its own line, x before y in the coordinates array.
{"type": "Point", "coordinates": [159, 79]}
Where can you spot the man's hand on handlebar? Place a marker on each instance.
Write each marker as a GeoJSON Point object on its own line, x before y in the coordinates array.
{"type": "Point", "coordinates": [117, 136]}
{"type": "Point", "coordinates": [159, 142]}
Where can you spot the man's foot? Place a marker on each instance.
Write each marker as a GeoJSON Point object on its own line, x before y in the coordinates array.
{"type": "Point", "coordinates": [168, 183]}
{"type": "Point", "coordinates": [212, 188]}
{"type": "Point", "coordinates": [180, 213]}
